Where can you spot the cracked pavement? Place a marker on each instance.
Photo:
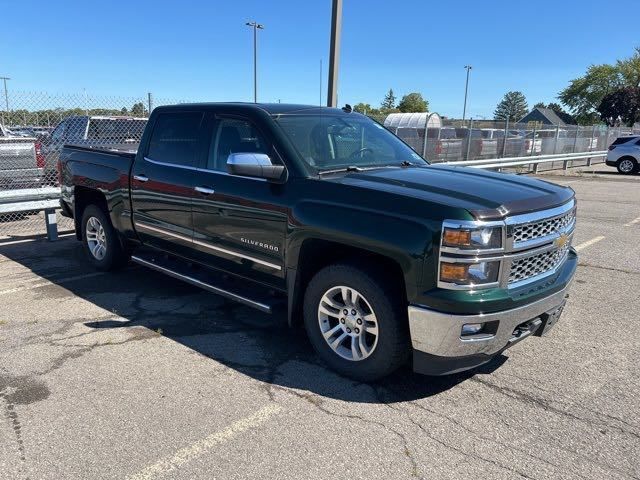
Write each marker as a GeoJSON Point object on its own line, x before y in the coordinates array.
{"type": "Point", "coordinates": [134, 374]}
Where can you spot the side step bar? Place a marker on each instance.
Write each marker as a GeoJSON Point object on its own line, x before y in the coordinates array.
{"type": "Point", "coordinates": [206, 284]}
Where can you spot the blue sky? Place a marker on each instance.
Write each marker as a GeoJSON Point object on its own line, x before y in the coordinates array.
{"type": "Point", "coordinates": [201, 50]}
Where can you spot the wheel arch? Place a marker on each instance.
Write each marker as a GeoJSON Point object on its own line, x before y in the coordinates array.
{"type": "Point", "coordinates": [317, 253]}
{"type": "Point", "coordinates": [83, 197]}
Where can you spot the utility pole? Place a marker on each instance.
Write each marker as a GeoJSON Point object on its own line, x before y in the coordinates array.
{"type": "Point", "coordinates": [466, 90]}
{"type": "Point", "coordinates": [334, 53]}
{"type": "Point", "coordinates": [6, 95]}
{"type": "Point", "coordinates": [256, 26]}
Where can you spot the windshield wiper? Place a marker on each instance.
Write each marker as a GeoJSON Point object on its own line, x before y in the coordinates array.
{"type": "Point", "coordinates": [350, 168]}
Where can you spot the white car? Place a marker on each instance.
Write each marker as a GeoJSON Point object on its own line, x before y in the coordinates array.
{"type": "Point", "coordinates": [624, 154]}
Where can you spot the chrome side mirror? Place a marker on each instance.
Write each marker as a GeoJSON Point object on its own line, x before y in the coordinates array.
{"type": "Point", "coordinates": [256, 165]}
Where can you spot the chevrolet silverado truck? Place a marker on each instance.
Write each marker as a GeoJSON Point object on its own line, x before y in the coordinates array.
{"type": "Point", "coordinates": [325, 216]}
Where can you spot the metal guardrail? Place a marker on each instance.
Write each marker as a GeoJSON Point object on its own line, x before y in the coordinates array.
{"type": "Point", "coordinates": [26, 200]}
{"type": "Point", "coordinates": [531, 160]}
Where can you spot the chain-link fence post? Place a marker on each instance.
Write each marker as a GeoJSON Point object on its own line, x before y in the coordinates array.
{"type": "Point", "coordinates": [469, 138]}
{"type": "Point", "coordinates": [506, 135]}
{"type": "Point", "coordinates": [593, 134]}
{"type": "Point", "coordinates": [555, 142]}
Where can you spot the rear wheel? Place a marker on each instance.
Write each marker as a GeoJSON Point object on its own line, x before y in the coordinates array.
{"type": "Point", "coordinates": [100, 240]}
{"type": "Point", "coordinates": [356, 322]}
{"type": "Point", "coordinates": [627, 165]}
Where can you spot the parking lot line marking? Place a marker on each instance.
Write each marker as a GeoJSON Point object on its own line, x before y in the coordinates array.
{"type": "Point", "coordinates": [588, 243]}
{"type": "Point", "coordinates": [201, 447]}
{"type": "Point", "coordinates": [46, 282]}
{"type": "Point", "coordinates": [632, 222]}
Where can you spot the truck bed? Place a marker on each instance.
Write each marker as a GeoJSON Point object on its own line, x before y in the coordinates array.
{"type": "Point", "coordinates": [105, 170]}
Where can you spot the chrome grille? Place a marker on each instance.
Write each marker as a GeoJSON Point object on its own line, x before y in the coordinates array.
{"type": "Point", "coordinates": [542, 228]}
{"type": "Point", "coordinates": [537, 264]}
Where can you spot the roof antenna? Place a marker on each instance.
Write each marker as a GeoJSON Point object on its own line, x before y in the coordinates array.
{"type": "Point", "coordinates": [347, 108]}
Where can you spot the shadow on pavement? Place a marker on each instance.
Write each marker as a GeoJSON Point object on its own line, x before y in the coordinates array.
{"type": "Point", "coordinates": [258, 345]}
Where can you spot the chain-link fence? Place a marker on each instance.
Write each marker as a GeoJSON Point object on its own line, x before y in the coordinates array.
{"type": "Point", "coordinates": [33, 129]}
{"type": "Point", "coordinates": [35, 126]}
{"type": "Point", "coordinates": [456, 140]}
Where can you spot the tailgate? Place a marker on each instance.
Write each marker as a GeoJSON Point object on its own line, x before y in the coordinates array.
{"type": "Point", "coordinates": [17, 154]}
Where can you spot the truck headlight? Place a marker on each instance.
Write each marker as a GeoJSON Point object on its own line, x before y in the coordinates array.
{"type": "Point", "coordinates": [472, 238]}
{"type": "Point", "coordinates": [470, 273]}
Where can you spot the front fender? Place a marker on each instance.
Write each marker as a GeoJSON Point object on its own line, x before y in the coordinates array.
{"type": "Point", "coordinates": [404, 240]}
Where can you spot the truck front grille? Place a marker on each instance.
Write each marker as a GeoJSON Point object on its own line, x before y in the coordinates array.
{"type": "Point", "coordinates": [542, 228]}
{"type": "Point", "coordinates": [537, 264]}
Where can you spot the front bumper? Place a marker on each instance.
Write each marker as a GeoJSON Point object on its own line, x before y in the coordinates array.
{"type": "Point", "coordinates": [440, 350]}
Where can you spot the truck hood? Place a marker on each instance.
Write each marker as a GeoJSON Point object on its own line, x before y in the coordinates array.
{"type": "Point", "coordinates": [486, 195]}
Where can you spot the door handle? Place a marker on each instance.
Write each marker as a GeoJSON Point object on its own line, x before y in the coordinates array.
{"type": "Point", "coordinates": [205, 190]}
{"type": "Point", "coordinates": [141, 178]}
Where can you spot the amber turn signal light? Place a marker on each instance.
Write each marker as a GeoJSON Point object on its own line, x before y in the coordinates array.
{"type": "Point", "coordinates": [454, 272]}
{"type": "Point", "coordinates": [456, 238]}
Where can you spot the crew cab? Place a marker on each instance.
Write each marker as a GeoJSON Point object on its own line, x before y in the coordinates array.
{"type": "Point", "coordinates": [323, 216]}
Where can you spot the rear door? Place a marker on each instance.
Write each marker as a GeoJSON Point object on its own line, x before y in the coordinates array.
{"type": "Point", "coordinates": [163, 181]}
{"type": "Point", "coordinates": [239, 222]}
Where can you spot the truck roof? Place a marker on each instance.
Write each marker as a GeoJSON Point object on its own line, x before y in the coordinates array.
{"type": "Point", "coordinates": [271, 108]}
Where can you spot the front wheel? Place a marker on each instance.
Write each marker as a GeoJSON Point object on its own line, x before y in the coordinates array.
{"type": "Point", "coordinates": [627, 166]}
{"type": "Point", "coordinates": [101, 243]}
{"type": "Point", "coordinates": [356, 322]}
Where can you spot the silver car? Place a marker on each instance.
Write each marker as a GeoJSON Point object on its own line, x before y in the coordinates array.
{"type": "Point", "coordinates": [624, 154]}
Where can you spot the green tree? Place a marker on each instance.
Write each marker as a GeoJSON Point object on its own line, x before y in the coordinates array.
{"type": "Point", "coordinates": [622, 104]}
{"type": "Point", "coordinates": [512, 106]}
{"type": "Point", "coordinates": [584, 94]}
{"type": "Point", "coordinates": [389, 101]}
{"type": "Point", "coordinates": [366, 109]}
{"type": "Point", "coordinates": [630, 69]}
{"type": "Point", "coordinates": [138, 110]}
{"type": "Point", "coordinates": [413, 102]}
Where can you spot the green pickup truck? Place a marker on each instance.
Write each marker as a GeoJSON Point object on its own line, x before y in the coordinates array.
{"type": "Point", "coordinates": [324, 216]}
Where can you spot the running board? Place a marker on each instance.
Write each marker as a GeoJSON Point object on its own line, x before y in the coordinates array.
{"type": "Point", "coordinates": [200, 278]}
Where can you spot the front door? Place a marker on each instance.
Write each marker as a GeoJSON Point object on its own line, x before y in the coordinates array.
{"type": "Point", "coordinates": [163, 181]}
{"type": "Point", "coordinates": [240, 223]}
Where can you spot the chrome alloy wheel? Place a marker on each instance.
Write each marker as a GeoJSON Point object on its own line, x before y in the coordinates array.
{"type": "Point", "coordinates": [96, 239]}
{"type": "Point", "coordinates": [348, 323]}
{"type": "Point", "coordinates": [626, 166]}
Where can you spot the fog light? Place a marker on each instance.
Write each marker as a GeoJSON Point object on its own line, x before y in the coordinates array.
{"type": "Point", "coordinates": [471, 329]}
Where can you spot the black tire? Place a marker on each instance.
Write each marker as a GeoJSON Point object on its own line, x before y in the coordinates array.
{"type": "Point", "coordinates": [115, 255]}
{"type": "Point", "coordinates": [392, 348]}
{"type": "Point", "coordinates": [623, 168]}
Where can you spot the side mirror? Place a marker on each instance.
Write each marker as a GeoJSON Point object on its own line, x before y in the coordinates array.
{"type": "Point", "coordinates": [256, 165]}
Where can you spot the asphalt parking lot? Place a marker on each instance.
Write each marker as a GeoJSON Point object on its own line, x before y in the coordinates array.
{"type": "Point", "coordinates": [136, 375]}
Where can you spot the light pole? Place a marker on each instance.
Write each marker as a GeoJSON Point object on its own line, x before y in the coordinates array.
{"type": "Point", "coordinates": [334, 53]}
{"type": "Point", "coordinates": [466, 90]}
{"type": "Point", "coordinates": [255, 27]}
{"type": "Point", "coordinates": [6, 95]}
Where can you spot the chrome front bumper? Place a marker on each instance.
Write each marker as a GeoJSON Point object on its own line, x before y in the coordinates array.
{"type": "Point", "coordinates": [439, 334]}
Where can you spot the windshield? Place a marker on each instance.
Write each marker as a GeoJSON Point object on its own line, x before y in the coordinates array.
{"type": "Point", "coordinates": [328, 142]}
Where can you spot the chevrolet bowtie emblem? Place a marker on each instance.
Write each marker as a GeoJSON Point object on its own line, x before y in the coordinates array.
{"type": "Point", "coordinates": [561, 241]}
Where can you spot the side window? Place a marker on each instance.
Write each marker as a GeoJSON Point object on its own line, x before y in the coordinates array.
{"type": "Point", "coordinates": [175, 138]}
{"type": "Point", "coordinates": [58, 134]}
{"type": "Point", "coordinates": [234, 136]}
{"type": "Point", "coordinates": [638, 142]}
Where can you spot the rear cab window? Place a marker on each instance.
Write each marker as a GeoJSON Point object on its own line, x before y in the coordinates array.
{"type": "Point", "coordinates": [175, 138]}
